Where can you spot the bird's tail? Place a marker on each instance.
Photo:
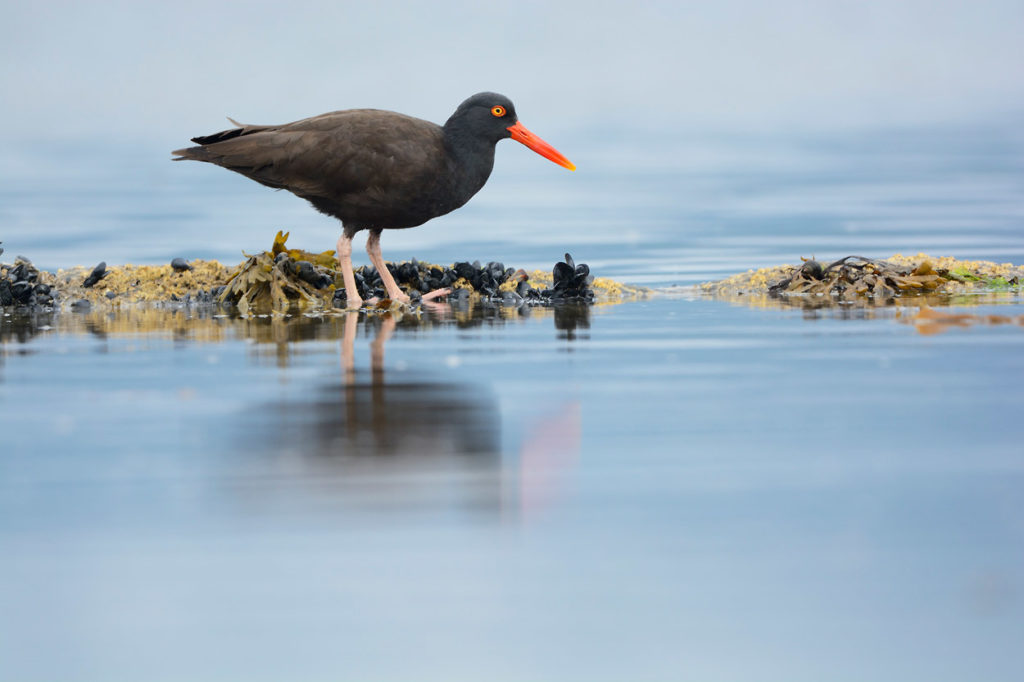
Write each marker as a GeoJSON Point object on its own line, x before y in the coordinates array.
{"type": "Point", "coordinates": [190, 153]}
{"type": "Point", "coordinates": [200, 154]}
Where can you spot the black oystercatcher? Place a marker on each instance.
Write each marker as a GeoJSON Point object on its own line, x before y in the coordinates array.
{"type": "Point", "coordinates": [374, 170]}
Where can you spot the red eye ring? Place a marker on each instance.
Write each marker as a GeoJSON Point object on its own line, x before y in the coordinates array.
{"type": "Point", "coordinates": [498, 111]}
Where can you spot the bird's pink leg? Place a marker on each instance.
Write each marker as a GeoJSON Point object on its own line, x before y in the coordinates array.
{"type": "Point", "coordinates": [348, 347]}
{"type": "Point", "coordinates": [373, 248]}
{"type": "Point", "coordinates": [345, 260]}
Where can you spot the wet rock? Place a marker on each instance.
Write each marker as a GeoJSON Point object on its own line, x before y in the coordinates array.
{"type": "Point", "coordinates": [306, 272]}
{"type": "Point", "coordinates": [465, 270]}
{"type": "Point", "coordinates": [23, 271]}
{"type": "Point", "coordinates": [6, 295]}
{"type": "Point", "coordinates": [81, 304]}
{"type": "Point", "coordinates": [571, 282]}
{"type": "Point", "coordinates": [408, 273]}
{"type": "Point", "coordinates": [21, 291]}
{"type": "Point", "coordinates": [812, 270]}
{"type": "Point", "coordinates": [180, 265]}
{"type": "Point", "coordinates": [98, 273]}
{"type": "Point", "coordinates": [562, 274]}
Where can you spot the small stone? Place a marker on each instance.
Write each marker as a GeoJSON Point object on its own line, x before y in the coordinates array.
{"type": "Point", "coordinates": [98, 273]}
{"type": "Point", "coordinates": [23, 271]}
{"type": "Point", "coordinates": [81, 304]}
{"type": "Point", "coordinates": [408, 273]}
{"type": "Point", "coordinates": [464, 269]}
{"type": "Point", "coordinates": [812, 269]}
{"type": "Point", "coordinates": [6, 295]}
{"type": "Point", "coordinates": [21, 291]}
{"type": "Point", "coordinates": [562, 274]}
{"type": "Point", "coordinates": [306, 272]}
{"type": "Point", "coordinates": [110, 295]}
{"type": "Point", "coordinates": [180, 265]}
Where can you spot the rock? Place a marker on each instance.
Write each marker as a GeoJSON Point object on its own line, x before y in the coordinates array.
{"type": "Point", "coordinates": [21, 291]}
{"type": "Point", "coordinates": [180, 265]}
{"type": "Point", "coordinates": [98, 273]}
{"type": "Point", "coordinates": [812, 269]}
{"type": "Point", "coordinates": [562, 274]}
{"type": "Point", "coordinates": [306, 272]}
{"type": "Point", "coordinates": [23, 271]}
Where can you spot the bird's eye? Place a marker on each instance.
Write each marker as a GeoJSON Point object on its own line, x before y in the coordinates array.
{"type": "Point", "coordinates": [498, 111]}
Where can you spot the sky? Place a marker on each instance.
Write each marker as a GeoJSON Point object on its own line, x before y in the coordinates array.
{"type": "Point", "coordinates": [158, 73]}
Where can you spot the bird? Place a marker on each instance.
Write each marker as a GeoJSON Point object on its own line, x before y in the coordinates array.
{"type": "Point", "coordinates": [373, 169]}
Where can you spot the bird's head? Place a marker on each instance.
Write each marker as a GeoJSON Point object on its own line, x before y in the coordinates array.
{"type": "Point", "coordinates": [491, 116]}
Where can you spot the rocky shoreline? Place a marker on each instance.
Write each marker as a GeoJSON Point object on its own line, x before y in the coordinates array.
{"type": "Point", "coordinates": [284, 280]}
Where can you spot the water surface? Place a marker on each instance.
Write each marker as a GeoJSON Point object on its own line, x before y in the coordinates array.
{"type": "Point", "coordinates": [674, 488]}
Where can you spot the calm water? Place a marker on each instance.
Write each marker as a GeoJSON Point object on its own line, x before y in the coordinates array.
{"type": "Point", "coordinates": [670, 489]}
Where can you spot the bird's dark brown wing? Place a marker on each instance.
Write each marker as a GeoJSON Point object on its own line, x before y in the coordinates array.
{"type": "Point", "coordinates": [352, 158]}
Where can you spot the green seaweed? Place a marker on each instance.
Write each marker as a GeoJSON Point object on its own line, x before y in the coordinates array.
{"type": "Point", "coordinates": [1000, 283]}
{"type": "Point", "coordinates": [963, 274]}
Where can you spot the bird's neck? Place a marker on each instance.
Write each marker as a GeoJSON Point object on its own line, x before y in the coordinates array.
{"type": "Point", "coordinates": [472, 157]}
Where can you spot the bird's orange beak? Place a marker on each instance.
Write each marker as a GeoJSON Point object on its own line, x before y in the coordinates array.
{"type": "Point", "coordinates": [521, 134]}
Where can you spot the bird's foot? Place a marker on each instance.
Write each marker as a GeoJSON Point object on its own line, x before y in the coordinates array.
{"type": "Point", "coordinates": [436, 293]}
{"type": "Point", "coordinates": [399, 296]}
{"type": "Point", "coordinates": [354, 303]}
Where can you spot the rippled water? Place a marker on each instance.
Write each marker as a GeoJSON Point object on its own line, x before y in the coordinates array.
{"type": "Point", "coordinates": [674, 488]}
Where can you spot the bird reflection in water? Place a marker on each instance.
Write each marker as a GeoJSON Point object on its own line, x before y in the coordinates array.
{"type": "Point", "coordinates": [409, 415]}
{"type": "Point", "coordinates": [388, 440]}
{"type": "Point", "coordinates": [387, 437]}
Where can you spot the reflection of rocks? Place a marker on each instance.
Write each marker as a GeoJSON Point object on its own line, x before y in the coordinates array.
{"type": "Point", "coordinates": [21, 325]}
{"type": "Point", "coordinates": [210, 323]}
{"type": "Point", "coordinates": [929, 321]}
{"type": "Point", "coordinates": [571, 317]}
{"type": "Point", "coordinates": [862, 308]}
